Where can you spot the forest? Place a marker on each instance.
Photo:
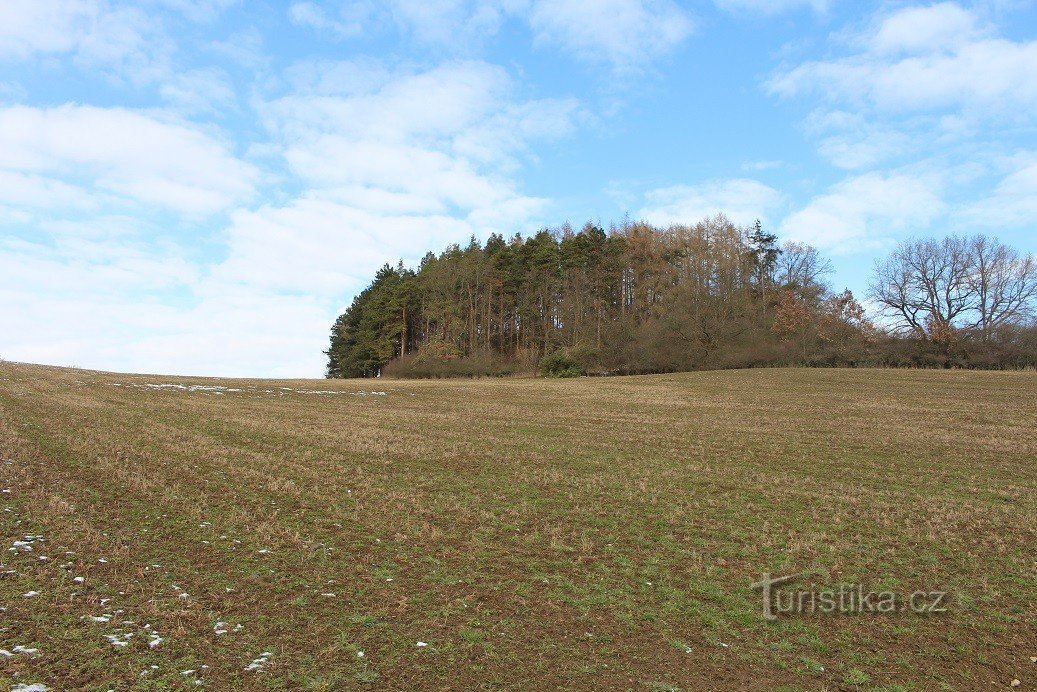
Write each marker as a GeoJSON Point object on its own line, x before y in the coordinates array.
{"type": "Point", "coordinates": [638, 299]}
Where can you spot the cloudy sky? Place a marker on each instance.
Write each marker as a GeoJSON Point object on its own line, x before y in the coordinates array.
{"type": "Point", "coordinates": [200, 186]}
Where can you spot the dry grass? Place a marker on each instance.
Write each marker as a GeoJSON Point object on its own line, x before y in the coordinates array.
{"type": "Point", "coordinates": [535, 534]}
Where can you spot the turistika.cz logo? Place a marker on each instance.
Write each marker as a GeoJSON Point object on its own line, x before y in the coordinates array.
{"type": "Point", "coordinates": [847, 599]}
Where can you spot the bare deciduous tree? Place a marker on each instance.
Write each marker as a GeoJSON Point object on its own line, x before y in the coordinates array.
{"type": "Point", "coordinates": [802, 269]}
{"type": "Point", "coordinates": [1004, 285]}
{"type": "Point", "coordinates": [935, 288]}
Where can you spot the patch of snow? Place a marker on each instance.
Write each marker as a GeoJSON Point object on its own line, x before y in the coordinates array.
{"type": "Point", "coordinates": [118, 640]}
{"type": "Point", "coordinates": [258, 663]}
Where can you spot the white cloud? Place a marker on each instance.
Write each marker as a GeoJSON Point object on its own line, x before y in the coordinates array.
{"type": "Point", "coordinates": [936, 81]}
{"type": "Point", "coordinates": [398, 107]}
{"type": "Point", "coordinates": [455, 23]}
{"type": "Point", "coordinates": [851, 141]}
{"type": "Point", "coordinates": [428, 132]}
{"type": "Point", "coordinates": [626, 34]}
{"type": "Point", "coordinates": [742, 200]}
{"type": "Point", "coordinates": [394, 164]}
{"type": "Point", "coordinates": [238, 333]}
{"type": "Point", "coordinates": [243, 47]}
{"type": "Point", "coordinates": [924, 59]}
{"type": "Point", "coordinates": [48, 26]}
{"type": "Point", "coordinates": [1012, 203]}
{"type": "Point", "coordinates": [126, 42]}
{"type": "Point", "coordinates": [992, 75]}
{"type": "Point", "coordinates": [454, 26]}
{"type": "Point", "coordinates": [36, 191]}
{"type": "Point", "coordinates": [349, 23]}
{"type": "Point", "coordinates": [867, 210]}
{"type": "Point", "coordinates": [769, 7]}
{"type": "Point", "coordinates": [203, 90]}
{"type": "Point", "coordinates": [118, 152]}
{"type": "Point", "coordinates": [197, 10]}
{"type": "Point", "coordinates": [864, 148]}
{"type": "Point", "coordinates": [113, 303]}
{"type": "Point", "coordinates": [106, 267]}
{"type": "Point", "coordinates": [123, 41]}
{"type": "Point", "coordinates": [324, 247]}
{"type": "Point", "coordinates": [940, 27]}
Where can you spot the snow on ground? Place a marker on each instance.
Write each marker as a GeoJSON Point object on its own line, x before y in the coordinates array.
{"type": "Point", "coordinates": [258, 663]}
{"type": "Point", "coordinates": [25, 545]}
{"type": "Point", "coordinates": [23, 650]}
{"type": "Point", "coordinates": [221, 390]}
{"type": "Point", "coordinates": [119, 640]}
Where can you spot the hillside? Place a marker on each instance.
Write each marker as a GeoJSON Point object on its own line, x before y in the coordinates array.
{"type": "Point", "coordinates": [526, 533]}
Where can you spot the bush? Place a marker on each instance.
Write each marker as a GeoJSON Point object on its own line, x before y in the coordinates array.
{"type": "Point", "coordinates": [427, 366]}
{"type": "Point", "coordinates": [561, 364]}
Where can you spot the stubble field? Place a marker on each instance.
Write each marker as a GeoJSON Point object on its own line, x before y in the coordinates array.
{"type": "Point", "coordinates": [174, 533]}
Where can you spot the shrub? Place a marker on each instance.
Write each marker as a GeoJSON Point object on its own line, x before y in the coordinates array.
{"type": "Point", "coordinates": [426, 366]}
{"type": "Point", "coordinates": [560, 364]}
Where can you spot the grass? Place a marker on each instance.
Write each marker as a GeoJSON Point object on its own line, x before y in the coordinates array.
{"type": "Point", "coordinates": [590, 533]}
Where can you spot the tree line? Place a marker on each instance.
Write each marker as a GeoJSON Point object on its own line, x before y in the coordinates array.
{"type": "Point", "coordinates": [640, 299]}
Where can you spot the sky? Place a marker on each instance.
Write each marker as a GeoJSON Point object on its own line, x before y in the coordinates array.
{"type": "Point", "coordinates": [200, 187]}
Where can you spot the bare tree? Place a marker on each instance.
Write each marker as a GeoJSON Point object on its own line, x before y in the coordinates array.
{"type": "Point", "coordinates": [925, 286]}
{"type": "Point", "coordinates": [934, 288]}
{"type": "Point", "coordinates": [802, 269]}
{"type": "Point", "coordinates": [1004, 284]}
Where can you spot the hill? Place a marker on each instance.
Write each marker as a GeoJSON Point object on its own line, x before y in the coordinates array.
{"type": "Point", "coordinates": [639, 299]}
{"type": "Point", "coordinates": [590, 533]}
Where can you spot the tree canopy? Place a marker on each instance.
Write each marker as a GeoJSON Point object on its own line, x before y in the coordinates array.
{"type": "Point", "coordinates": [640, 299]}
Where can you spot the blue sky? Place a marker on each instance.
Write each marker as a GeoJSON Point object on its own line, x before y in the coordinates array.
{"type": "Point", "coordinates": [200, 186]}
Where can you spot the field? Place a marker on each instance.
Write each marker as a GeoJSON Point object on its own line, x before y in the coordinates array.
{"type": "Point", "coordinates": [514, 534]}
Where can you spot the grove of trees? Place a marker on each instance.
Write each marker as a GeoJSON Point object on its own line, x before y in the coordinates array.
{"type": "Point", "coordinates": [640, 299]}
